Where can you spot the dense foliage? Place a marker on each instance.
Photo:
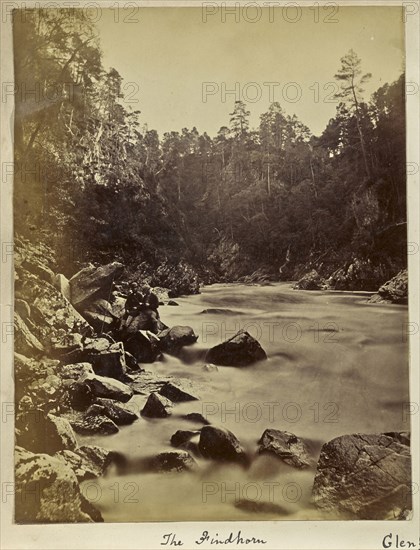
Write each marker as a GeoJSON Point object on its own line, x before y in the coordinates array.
{"type": "Point", "coordinates": [88, 173]}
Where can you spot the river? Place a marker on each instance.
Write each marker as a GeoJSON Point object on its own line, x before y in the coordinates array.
{"type": "Point", "coordinates": [336, 365]}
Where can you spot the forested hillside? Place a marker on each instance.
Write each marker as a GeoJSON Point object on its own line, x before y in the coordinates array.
{"type": "Point", "coordinates": [275, 200]}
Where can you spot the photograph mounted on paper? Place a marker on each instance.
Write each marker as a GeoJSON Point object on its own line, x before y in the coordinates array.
{"type": "Point", "coordinates": [210, 255]}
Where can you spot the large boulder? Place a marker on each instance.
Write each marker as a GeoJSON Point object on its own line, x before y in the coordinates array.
{"type": "Point", "coordinates": [394, 291]}
{"type": "Point", "coordinates": [99, 314]}
{"type": "Point", "coordinates": [157, 406]}
{"type": "Point", "coordinates": [143, 345]}
{"type": "Point", "coordinates": [111, 362]}
{"type": "Point", "coordinates": [107, 387]}
{"type": "Point", "coordinates": [53, 317]}
{"type": "Point", "coordinates": [93, 283]}
{"type": "Point", "coordinates": [221, 444]}
{"type": "Point", "coordinates": [41, 433]}
{"type": "Point", "coordinates": [310, 281]}
{"type": "Point", "coordinates": [239, 351]}
{"type": "Point", "coordinates": [47, 491]}
{"type": "Point", "coordinates": [173, 339]}
{"type": "Point", "coordinates": [143, 321]}
{"type": "Point", "coordinates": [286, 446]}
{"type": "Point", "coordinates": [364, 477]}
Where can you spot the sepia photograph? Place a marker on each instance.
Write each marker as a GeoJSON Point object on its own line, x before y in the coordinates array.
{"type": "Point", "coordinates": [210, 313]}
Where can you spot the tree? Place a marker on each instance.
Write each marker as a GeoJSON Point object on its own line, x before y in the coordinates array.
{"type": "Point", "coordinates": [239, 120]}
{"type": "Point", "coordinates": [352, 81]}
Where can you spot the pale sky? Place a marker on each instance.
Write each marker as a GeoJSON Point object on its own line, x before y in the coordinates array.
{"type": "Point", "coordinates": [171, 53]}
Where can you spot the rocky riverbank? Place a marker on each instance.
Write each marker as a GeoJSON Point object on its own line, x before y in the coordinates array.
{"type": "Point", "coordinates": [76, 374]}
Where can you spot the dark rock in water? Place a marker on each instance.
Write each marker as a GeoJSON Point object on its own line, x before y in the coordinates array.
{"type": "Point", "coordinates": [93, 283]}
{"type": "Point", "coordinates": [47, 491]}
{"type": "Point", "coordinates": [178, 391]}
{"type": "Point", "coordinates": [173, 461]}
{"type": "Point", "coordinates": [25, 342]}
{"type": "Point", "coordinates": [261, 507]}
{"type": "Point", "coordinates": [157, 406]}
{"type": "Point", "coordinates": [219, 311]}
{"type": "Point", "coordinates": [117, 412]}
{"type": "Point", "coordinates": [172, 303]}
{"type": "Point", "coordinates": [87, 462]}
{"type": "Point", "coordinates": [44, 434]}
{"type": "Point", "coordinates": [239, 351]}
{"type": "Point", "coordinates": [394, 291]}
{"type": "Point", "coordinates": [95, 422]}
{"type": "Point", "coordinates": [364, 477]}
{"type": "Point", "coordinates": [221, 444]}
{"type": "Point", "coordinates": [181, 437]}
{"type": "Point", "coordinates": [173, 339]}
{"type": "Point", "coordinates": [143, 345]}
{"type": "Point", "coordinates": [108, 388]}
{"type": "Point", "coordinates": [196, 417]}
{"type": "Point", "coordinates": [310, 281]}
{"type": "Point", "coordinates": [286, 446]}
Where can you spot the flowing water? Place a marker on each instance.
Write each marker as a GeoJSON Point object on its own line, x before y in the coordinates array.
{"type": "Point", "coordinates": [336, 365]}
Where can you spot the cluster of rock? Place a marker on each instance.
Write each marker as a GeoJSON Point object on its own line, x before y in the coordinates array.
{"type": "Point", "coordinates": [76, 369]}
{"type": "Point", "coordinates": [394, 291]}
{"type": "Point", "coordinates": [76, 372]}
{"type": "Point", "coordinates": [356, 277]}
